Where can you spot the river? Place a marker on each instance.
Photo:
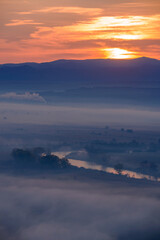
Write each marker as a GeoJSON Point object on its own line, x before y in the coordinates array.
{"type": "Point", "coordinates": [87, 165]}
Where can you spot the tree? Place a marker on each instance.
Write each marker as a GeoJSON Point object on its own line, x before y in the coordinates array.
{"type": "Point", "coordinates": [23, 157]}
{"type": "Point", "coordinates": [33, 159]}
{"type": "Point", "coordinates": [52, 161]}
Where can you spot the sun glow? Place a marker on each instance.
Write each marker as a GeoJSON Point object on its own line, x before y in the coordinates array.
{"type": "Point", "coordinates": [118, 53]}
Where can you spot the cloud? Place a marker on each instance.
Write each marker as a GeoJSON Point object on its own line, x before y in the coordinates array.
{"type": "Point", "coordinates": [22, 22]}
{"type": "Point", "coordinates": [23, 97]}
{"type": "Point", "coordinates": [74, 10]}
{"type": "Point", "coordinates": [113, 115]}
{"type": "Point", "coordinates": [100, 28]}
{"type": "Point", "coordinates": [38, 209]}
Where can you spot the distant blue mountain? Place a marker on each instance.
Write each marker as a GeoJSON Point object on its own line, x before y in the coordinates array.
{"type": "Point", "coordinates": [70, 74]}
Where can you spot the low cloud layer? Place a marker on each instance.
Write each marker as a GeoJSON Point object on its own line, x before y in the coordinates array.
{"type": "Point", "coordinates": [27, 96]}
{"type": "Point", "coordinates": [49, 209]}
{"type": "Point", "coordinates": [91, 116]}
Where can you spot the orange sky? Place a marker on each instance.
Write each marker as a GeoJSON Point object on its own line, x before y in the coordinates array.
{"type": "Point", "coordinates": [46, 30]}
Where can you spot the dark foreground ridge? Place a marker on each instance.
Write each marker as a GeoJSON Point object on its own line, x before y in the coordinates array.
{"type": "Point", "coordinates": [142, 72]}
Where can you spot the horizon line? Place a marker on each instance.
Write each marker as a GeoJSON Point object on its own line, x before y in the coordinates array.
{"type": "Point", "coordinates": [87, 59]}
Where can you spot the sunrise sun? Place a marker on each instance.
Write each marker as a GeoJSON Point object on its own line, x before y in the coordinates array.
{"type": "Point", "coordinates": [118, 53]}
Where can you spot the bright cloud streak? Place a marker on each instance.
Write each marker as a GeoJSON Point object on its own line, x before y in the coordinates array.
{"type": "Point", "coordinates": [75, 10]}
{"type": "Point", "coordinates": [129, 36]}
{"type": "Point", "coordinates": [118, 23]}
{"type": "Point", "coordinates": [130, 28]}
{"type": "Point", "coordinates": [22, 22]}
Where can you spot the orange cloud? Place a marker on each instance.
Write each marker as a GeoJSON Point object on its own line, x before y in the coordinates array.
{"type": "Point", "coordinates": [22, 22]}
{"type": "Point", "coordinates": [102, 28]}
{"type": "Point", "coordinates": [76, 10]}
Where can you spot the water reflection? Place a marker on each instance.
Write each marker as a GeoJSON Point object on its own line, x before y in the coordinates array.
{"type": "Point", "coordinates": [87, 165]}
{"type": "Point", "coordinates": [127, 173]}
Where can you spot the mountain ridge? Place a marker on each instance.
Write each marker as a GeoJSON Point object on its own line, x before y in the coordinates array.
{"type": "Point", "coordinates": [67, 74]}
{"type": "Point", "coordinates": [82, 60]}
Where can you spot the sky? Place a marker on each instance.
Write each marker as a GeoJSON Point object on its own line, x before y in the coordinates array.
{"type": "Point", "coordinates": [47, 30]}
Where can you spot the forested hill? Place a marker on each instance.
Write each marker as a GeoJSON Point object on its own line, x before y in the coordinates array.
{"type": "Point", "coordinates": [65, 74]}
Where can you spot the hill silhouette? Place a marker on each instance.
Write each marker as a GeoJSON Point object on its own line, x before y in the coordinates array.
{"type": "Point", "coordinates": [69, 74]}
